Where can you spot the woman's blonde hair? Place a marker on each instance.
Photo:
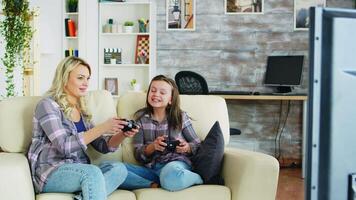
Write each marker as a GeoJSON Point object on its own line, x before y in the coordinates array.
{"type": "Point", "coordinates": [59, 82]}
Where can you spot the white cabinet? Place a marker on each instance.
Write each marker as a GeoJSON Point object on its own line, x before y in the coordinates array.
{"type": "Point", "coordinates": [112, 35]}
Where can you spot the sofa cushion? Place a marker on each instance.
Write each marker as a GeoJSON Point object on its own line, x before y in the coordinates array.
{"type": "Point", "coordinates": [102, 106]}
{"type": "Point", "coordinates": [208, 159]}
{"type": "Point", "coordinates": [206, 192]}
{"type": "Point", "coordinates": [16, 123]}
{"type": "Point", "coordinates": [15, 177]}
{"type": "Point", "coordinates": [116, 195]}
{"type": "Point", "coordinates": [212, 109]}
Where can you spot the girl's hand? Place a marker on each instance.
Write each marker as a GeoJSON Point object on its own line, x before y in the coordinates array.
{"type": "Point", "coordinates": [158, 144]}
{"type": "Point", "coordinates": [183, 147]}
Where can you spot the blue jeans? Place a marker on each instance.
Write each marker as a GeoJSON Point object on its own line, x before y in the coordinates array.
{"type": "Point", "coordinates": [95, 183]}
{"type": "Point", "coordinates": [172, 176]}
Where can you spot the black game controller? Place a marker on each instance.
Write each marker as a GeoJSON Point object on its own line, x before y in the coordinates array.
{"type": "Point", "coordinates": [171, 145]}
{"type": "Point", "coordinates": [131, 124]}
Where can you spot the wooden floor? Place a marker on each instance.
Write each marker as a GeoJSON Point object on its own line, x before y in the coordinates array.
{"type": "Point", "coordinates": [290, 184]}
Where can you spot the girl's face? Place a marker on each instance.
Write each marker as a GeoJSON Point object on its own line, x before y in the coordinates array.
{"type": "Point", "coordinates": [160, 94]}
{"type": "Point", "coordinates": [78, 80]}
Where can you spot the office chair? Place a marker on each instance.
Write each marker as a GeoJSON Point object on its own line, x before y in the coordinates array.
{"type": "Point", "coordinates": [189, 82]}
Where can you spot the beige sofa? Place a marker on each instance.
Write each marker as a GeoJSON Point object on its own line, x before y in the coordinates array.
{"type": "Point", "coordinates": [248, 175]}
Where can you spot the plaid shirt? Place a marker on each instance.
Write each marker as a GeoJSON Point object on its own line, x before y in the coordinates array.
{"type": "Point", "coordinates": [151, 129]}
{"type": "Point", "coordinates": [55, 141]}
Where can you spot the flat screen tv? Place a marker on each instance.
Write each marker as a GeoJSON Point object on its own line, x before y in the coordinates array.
{"type": "Point", "coordinates": [284, 72]}
{"type": "Point", "coordinates": [331, 134]}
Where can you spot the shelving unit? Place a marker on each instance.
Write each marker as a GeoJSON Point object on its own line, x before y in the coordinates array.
{"type": "Point", "coordinates": [128, 69]}
{"type": "Point", "coordinates": [70, 42]}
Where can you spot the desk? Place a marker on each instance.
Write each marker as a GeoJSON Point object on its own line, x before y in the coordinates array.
{"type": "Point", "coordinates": [280, 97]}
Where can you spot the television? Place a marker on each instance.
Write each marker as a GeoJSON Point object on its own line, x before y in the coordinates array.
{"type": "Point", "coordinates": [284, 72]}
{"type": "Point", "coordinates": [331, 120]}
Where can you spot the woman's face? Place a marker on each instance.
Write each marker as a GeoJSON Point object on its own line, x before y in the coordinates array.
{"type": "Point", "coordinates": [160, 94]}
{"type": "Point", "coordinates": [78, 80]}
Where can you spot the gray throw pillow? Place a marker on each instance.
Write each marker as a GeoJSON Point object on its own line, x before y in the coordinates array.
{"type": "Point", "coordinates": [207, 162]}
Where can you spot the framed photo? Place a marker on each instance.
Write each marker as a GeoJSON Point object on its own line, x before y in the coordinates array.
{"type": "Point", "coordinates": [301, 12]}
{"type": "Point", "coordinates": [142, 53]}
{"type": "Point", "coordinates": [180, 15]}
{"type": "Point", "coordinates": [244, 6]}
{"type": "Point", "coordinates": [112, 85]}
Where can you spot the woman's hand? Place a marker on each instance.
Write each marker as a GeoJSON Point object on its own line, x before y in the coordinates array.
{"type": "Point", "coordinates": [119, 135]}
{"type": "Point", "coordinates": [183, 147]}
{"type": "Point", "coordinates": [131, 132]}
{"type": "Point", "coordinates": [113, 125]}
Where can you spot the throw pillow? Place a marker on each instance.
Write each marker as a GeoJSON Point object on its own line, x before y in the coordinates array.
{"type": "Point", "coordinates": [207, 161]}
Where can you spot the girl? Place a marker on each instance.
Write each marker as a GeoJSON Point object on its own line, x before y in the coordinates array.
{"type": "Point", "coordinates": [162, 122]}
{"type": "Point", "coordinates": [62, 132]}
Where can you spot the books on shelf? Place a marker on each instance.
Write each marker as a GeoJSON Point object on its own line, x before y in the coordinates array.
{"type": "Point", "coordinates": [70, 27]}
{"type": "Point", "coordinates": [71, 52]}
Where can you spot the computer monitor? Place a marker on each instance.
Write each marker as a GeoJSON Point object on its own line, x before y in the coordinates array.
{"type": "Point", "coordinates": [284, 72]}
{"type": "Point", "coordinates": [331, 135]}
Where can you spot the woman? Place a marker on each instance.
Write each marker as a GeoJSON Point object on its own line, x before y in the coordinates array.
{"type": "Point", "coordinates": [164, 143]}
{"type": "Point", "coordinates": [61, 133]}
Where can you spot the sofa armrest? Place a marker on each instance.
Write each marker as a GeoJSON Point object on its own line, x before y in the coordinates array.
{"type": "Point", "coordinates": [15, 181]}
{"type": "Point", "coordinates": [250, 175]}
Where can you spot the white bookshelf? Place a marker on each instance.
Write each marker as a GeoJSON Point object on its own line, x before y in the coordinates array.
{"type": "Point", "coordinates": [68, 41]}
{"type": "Point", "coordinates": [128, 69]}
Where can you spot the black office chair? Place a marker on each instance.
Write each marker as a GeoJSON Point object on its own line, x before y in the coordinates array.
{"type": "Point", "coordinates": [189, 82]}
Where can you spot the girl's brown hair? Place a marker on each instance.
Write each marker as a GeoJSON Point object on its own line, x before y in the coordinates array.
{"type": "Point", "coordinates": [173, 111]}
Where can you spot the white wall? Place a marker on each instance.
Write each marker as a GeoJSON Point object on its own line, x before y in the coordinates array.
{"type": "Point", "coordinates": [50, 39]}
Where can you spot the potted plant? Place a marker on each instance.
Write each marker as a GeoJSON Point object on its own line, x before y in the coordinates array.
{"type": "Point", "coordinates": [72, 5]}
{"type": "Point", "coordinates": [128, 26]}
{"type": "Point", "coordinates": [135, 85]}
{"type": "Point", "coordinates": [17, 32]}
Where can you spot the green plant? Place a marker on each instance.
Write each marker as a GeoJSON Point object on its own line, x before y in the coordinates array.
{"type": "Point", "coordinates": [133, 82]}
{"type": "Point", "coordinates": [128, 23]}
{"type": "Point", "coordinates": [17, 32]}
{"type": "Point", "coordinates": [72, 5]}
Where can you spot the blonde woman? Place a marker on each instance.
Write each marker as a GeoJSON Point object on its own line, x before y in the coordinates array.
{"type": "Point", "coordinates": [61, 133]}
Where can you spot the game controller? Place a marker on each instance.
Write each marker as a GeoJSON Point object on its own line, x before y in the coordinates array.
{"type": "Point", "coordinates": [131, 124]}
{"type": "Point", "coordinates": [171, 145]}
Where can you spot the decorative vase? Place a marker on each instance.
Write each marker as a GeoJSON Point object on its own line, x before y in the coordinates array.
{"type": "Point", "coordinates": [142, 28]}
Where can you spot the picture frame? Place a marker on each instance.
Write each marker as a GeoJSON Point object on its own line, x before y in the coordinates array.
{"type": "Point", "coordinates": [112, 85]}
{"type": "Point", "coordinates": [233, 7]}
{"type": "Point", "coordinates": [180, 15]}
{"type": "Point", "coordinates": [301, 12]}
{"type": "Point", "coordinates": [142, 54]}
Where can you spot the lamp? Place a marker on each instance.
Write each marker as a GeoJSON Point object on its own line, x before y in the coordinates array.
{"type": "Point", "coordinates": [176, 12]}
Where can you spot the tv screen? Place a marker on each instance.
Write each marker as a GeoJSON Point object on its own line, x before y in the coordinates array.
{"type": "Point", "coordinates": [331, 135]}
{"type": "Point", "coordinates": [284, 71]}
